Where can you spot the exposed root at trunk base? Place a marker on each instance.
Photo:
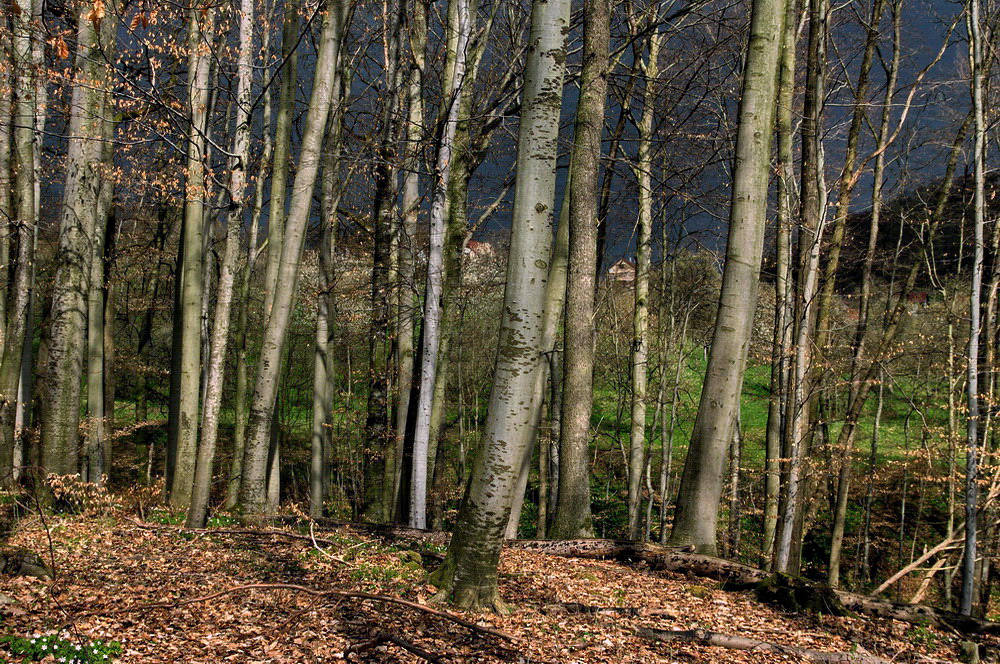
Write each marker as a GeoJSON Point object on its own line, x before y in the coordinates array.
{"type": "Point", "coordinates": [707, 638]}
{"type": "Point", "coordinates": [482, 596]}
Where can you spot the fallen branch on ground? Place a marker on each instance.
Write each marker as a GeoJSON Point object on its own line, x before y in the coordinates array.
{"type": "Point", "coordinates": [707, 638]}
{"type": "Point", "coordinates": [411, 648]}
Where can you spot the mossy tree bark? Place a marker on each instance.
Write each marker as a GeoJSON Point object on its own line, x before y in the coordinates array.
{"type": "Point", "coordinates": [468, 577]}
{"type": "Point", "coordinates": [701, 484]}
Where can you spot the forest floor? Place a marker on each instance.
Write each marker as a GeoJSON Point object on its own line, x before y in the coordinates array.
{"type": "Point", "coordinates": [110, 567]}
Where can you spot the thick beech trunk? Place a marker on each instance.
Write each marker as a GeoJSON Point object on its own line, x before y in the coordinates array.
{"type": "Point", "coordinates": [468, 576]}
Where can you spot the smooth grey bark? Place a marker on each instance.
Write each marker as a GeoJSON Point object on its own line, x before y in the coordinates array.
{"type": "Point", "coordinates": [253, 485]}
{"type": "Point", "coordinates": [240, 413]}
{"type": "Point", "coordinates": [572, 518]}
{"type": "Point", "coordinates": [972, 382]}
{"type": "Point", "coordinates": [24, 221]}
{"type": "Point", "coordinates": [60, 414]}
{"type": "Point", "coordinates": [701, 484]}
{"type": "Point", "coordinates": [6, 174]}
{"type": "Point", "coordinates": [468, 576]}
{"type": "Point", "coordinates": [406, 292]}
{"type": "Point", "coordinates": [555, 299]}
{"type": "Point", "coordinates": [219, 340]}
{"type": "Point", "coordinates": [192, 276]}
{"type": "Point", "coordinates": [97, 463]}
{"type": "Point", "coordinates": [435, 269]}
{"type": "Point", "coordinates": [282, 151]}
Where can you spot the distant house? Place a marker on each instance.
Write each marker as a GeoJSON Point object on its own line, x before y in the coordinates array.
{"type": "Point", "coordinates": [478, 250]}
{"type": "Point", "coordinates": [916, 300]}
{"type": "Point", "coordinates": [623, 271]}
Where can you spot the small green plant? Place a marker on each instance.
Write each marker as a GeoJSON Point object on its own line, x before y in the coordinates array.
{"type": "Point", "coordinates": [222, 521]}
{"type": "Point", "coordinates": [61, 648]}
{"type": "Point", "coordinates": [166, 518]}
{"type": "Point", "coordinates": [921, 636]}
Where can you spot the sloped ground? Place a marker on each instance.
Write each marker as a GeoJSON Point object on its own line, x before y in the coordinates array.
{"type": "Point", "coordinates": [108, 567]}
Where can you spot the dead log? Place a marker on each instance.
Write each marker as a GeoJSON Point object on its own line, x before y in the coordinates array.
{"type": "Point", "coordinates": [17, 561]}
{"type": "Point", "coordinates": [707, 638]}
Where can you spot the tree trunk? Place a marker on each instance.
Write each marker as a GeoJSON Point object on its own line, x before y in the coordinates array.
{"type": "Point", "coordinates": [701, 484]}
{"type": "Point", "coordinates": [192, 275]}
{"type": "Point", "coordinates": [812, 216]}
{"type": "Point", "coordinates": [202, 489]}
{"type": "Point", "coordinates": [972, 383]}
{"type": "Point", "coordinates": [435, 267]}
{"type": "Point", "coordinates": [63, 372]}
{"type": "Point", "coordinates": [379, 443]}
{"type": "Point", "coordinates": [864, 303]}
{"type": "Point", "coordinates": [24, 221]}
{"type": "Point", "coordinates": [572, 517]}
{"type": "Point", "coordinates": [640, 320]}
{"type": "Point", "coordinates": [468, 576]}
{"type": "Point", "coordinates": [253, 486]}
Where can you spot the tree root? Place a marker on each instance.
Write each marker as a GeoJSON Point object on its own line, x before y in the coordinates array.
{"type": "Point", "coordinates": [707, 638]}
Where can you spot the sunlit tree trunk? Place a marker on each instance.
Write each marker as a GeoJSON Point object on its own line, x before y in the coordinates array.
{"type": "Point", "coordinates": [572, 517]}
{"type": "Point", "coordinates": [78, 226]}
{"type": "Point", "coordinates": [468, 576]}
{"type": "Point", "coordinates": [253, 485]}
{"type": "Point", "coordinates": [701, 485]}
{"type": "Point", "coordinates": [323, 371]}
{"type": "Point", "coordinates": [812, 215]}
{"type": "Point", "coordinates": [23, 221]}
{"type": "Point", "coordinates": [435, 268]}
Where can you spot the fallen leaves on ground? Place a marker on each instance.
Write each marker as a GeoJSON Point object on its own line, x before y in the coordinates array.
{"type": "Point", "coordinates": [108, 567]}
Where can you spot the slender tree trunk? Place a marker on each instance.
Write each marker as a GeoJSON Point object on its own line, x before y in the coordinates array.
{"type": "Point", "coordinates": [435, 267]}
{"type": "Point", "coordinates": [253, 486]}
{"type": "Point", "coordinates": [7, 81]}
{"type": "Point", "coordinates": [782, 340]}
{"type": "Point", "coordinates": [972, 382]}
{"type": "Point", "coordinates": [282, 151]}
{"type": "Point", "coordinates": [640, 321]}
{"type": "Point", "coordinates": [240, 414]}
{"type": "Point", "coordinates": [468, 576]}
{"type": "Point", "coordinates": [406, 306]}
{"type": "Point", "coordinates": [379, 445]}
{"type": "Point", "coordinates": [572, 517]}
{"type": "Point", "coordinates": [812, 216]}
{"type": "Point", "coordinates": [202, 489]}
{"type": "Point", "coordinates": [97, 462]}
{"type": "Point", "coordinates": [701, 485]}
{"type": "Point", "coordinates": [323, 371]}
{"type": "Point", "coordinates": [192, 275]}
{"type": "Point", "coordinates": [24, 220]}
{"type": "Point", "coordinates": [864, 303]}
